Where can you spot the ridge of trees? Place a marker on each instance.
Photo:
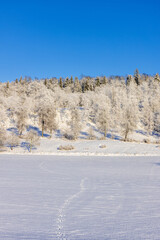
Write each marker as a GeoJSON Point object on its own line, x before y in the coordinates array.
{"type": "Point", "coordinates": [110, 104]}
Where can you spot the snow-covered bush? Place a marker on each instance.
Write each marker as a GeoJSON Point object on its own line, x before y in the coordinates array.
{"type": "Point", "coordinates": [66, 147]}
{"type": "Point", "coordinates": [102, 146]}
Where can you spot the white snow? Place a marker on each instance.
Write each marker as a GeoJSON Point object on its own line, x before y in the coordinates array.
{"type": "Point", "coordinates": [90, 148]}
{"type": "Point", "coordinates": [79, 197]}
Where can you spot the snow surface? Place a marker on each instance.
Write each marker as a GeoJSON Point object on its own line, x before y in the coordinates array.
{"type": "Point", "coordinates": [79, 197]}
{"type": "Point", "coordinates": [90, 147]}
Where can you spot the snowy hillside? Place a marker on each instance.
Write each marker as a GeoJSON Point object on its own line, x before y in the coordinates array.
{"type": "Point", "coordinates": [51, 111]}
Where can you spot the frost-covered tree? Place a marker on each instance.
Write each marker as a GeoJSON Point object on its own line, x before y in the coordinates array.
{"type": "Point", "coordinates": [3, 115]}
{"type": "Point", "coordinates": [3, 120]}
{"type": "Point", "coordinates": [12, 140]}
{"type": "Point", "coordinates": [104, 80]}
{"type": "Point", "coordinates": [51, 121]}
{"type": "Point", "coordinates": [129, 117]}
{"type": "Point", "coordinates": [77, 86]}
{"type": "Point", "coordinates": [75, 122]}
{"type": "Point", "coordinates": [33, 138]}
{"type": "Point", "coordinates": [103, 117]}
{"type": "Point", "coordinates": [46, 110]}
{"type": "Point", "coordinates": [20, 80]}
{"type": "Point", "coordinates": [148, 117]}
{"type": "Point", "coordinates": [21, 120]}
{"type": "Point", "coordinates": [91, 135]}
{"type": "Point", "coordinates": [2, 137]}
{"type": "Point", "coordinates": [22, 114]}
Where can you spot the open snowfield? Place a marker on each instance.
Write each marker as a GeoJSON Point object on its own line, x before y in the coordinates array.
{"type": "Point", "coordinates": [88, 148]}
{"type": "Point", "coordinates": [79, 197]}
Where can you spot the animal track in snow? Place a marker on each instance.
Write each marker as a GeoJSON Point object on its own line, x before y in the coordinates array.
{"type": "Point", "coordinates": [44, 168]}
{"type": "Point", "coordinates": [61, 213]}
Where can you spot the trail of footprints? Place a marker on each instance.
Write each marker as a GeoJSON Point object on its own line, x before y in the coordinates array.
{"type": "Point", "coordinates": [61, 235]}
{"type": "Point", "coordinates": [61, 214]}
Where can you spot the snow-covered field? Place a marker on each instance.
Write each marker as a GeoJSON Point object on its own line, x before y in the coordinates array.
{"type": "Point", "coordinates": [79, 197]}
{"type": "Point", "coordinates": [89, 148]}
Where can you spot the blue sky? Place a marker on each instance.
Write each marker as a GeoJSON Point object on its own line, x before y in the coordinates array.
{"type": "Point", "coordinates": [64, 38]}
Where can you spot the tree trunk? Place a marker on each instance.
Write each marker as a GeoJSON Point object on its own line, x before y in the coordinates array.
{"type": "Point", "coordinates": [42, 127]}
{"type": "Point", "coordinates": [105, 132]}
{"type": "Point", "coordinates": [126, 133]}
{"type": "Point", "coordinates": [30, 146]}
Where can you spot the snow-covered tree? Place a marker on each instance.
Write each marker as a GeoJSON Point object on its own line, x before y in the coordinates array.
{"type": "Point", "coordinates": [2, 137]}
{"type": "Point", "coordinates": [22, 114]}
{"type": "Point", "coordinates": [148, 117]}
{"type": "Point", "coordinates": [12, 140]}
{"type": "Point", "coordinates": [77, 86]}
{"type": "Point", "coordinates": [21, 120]}
{"type": "Point", "coordinates": [103, 117]}
{"type": "Point", "coordinates": [129, 117]}
{"type": "Point", "coordinates": [33, 138]}
{"type": "Point", "coordinates": [46, 110]}
{"type": "Point", "coordinates": [75, 122]}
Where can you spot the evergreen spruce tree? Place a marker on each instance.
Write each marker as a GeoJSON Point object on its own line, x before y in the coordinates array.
{"type": "Point", "coordinates": [97, 82]}
{"type": "Point", "coordinates": [45, 82]}
{"type": "Point", "coordinates": [83, 87]}
{"type": "Point", "coordinates": [86, 87]}
{"type": "Point", "coordinates": [60, 83]}
{"type": "Point", "coordinates": [157, 78]}
{"type": "Point", "coordinates": [137, 77]}
{"type": "Point", "coordinates": [66, 82]}
{"type": "Point", "coordinates": [129, 78]}
{"type": "Point", "coordinates": [7, 85]}
{"type": "Point", "coordinates": [20, 80]}
{"type": "Point", "coordinates": [71, 80]}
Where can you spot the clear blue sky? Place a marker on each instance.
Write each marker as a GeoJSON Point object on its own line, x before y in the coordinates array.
{"type": "Point", "coordinates": [74, 37]}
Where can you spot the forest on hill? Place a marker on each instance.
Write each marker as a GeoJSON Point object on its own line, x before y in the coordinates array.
{"type": "Point", "coordinates": [118, 106]}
